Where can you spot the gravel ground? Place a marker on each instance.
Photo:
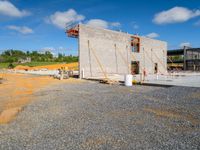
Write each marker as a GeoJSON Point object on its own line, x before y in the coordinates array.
{"type": "Point", "coordinates": [96, 116]}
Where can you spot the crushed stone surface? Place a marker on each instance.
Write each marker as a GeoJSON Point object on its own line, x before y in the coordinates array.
{"type": "Point", "coordinates": [90, 115]}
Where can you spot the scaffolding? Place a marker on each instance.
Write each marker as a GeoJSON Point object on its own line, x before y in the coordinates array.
{"type": "Point", "coordinates": [72, 31]}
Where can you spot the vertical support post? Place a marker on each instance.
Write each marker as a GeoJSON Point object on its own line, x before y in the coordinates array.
{"type": "Point", "coordinates": [89, 54]}
{"type": "Point", "coordinates": [79, 54]}
{"type": "Point", "coordinates": [152, 61]}
{"type": "Point", "coordinates": [165, 61]}
{"type": "Point", "coordinates": [185, 58]}
{"type": "Point", "coordinates": [83, 73]}
{"type": "Point", "coordinates": [144, 71]}
{"type": "Point", "coordinates": [144, 65]}
{"type": "Point", "coordinates": [156, 76]}
{"type": "Point", "coordinates": [141, 78]}
{"type": "Point", "coordinates": [129, 66]}
{"type": "Point", "coordinates": [116, 58]}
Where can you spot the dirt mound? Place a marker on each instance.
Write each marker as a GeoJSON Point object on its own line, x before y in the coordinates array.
{"type": "Point", "coordinates": [70, 66]}
{"type": "Point", "coordinates": [20, 67]}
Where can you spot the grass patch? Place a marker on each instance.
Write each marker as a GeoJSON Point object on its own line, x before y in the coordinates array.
{"type": "Point", "coordinates": [33, 64]}
{"type": "Point", "coordinates": [4, 65]}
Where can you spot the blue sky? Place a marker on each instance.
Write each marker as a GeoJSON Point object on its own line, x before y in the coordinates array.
{"type": "Point", "coordinates": [39, 24]}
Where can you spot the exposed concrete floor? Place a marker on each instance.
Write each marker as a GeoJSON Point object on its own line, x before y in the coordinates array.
{"type": "Point", "coordinates": [39, 72]}
{"type": "Point", "coordinates": [90, 115]}
{"type": "Point", "coordinates": [187, 79]}
{"type": "Point", "coordinates": [184, 80]}
{"type": "Point", "coordinates": [176, 79]}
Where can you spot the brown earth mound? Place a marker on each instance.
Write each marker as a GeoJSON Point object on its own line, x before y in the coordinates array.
{"type": "Point", "coordinates": [70, 66]}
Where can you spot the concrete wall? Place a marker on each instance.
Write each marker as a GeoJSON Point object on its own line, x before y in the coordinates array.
{"type": "Point", "coordinates": [151, 52]}
{"type": "Point", "coordinates": [114, 60]}
{"type": "Point", "coordinates": [102, 50]}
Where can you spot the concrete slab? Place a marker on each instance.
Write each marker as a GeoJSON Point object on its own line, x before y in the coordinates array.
{"type": "Point", "coordinates": [187, 80]}
{"type": "Point", "coordinates": [176, 79]}
{"type": "Point", "coordinates": [39, 72]}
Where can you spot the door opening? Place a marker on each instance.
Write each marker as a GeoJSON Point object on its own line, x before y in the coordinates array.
{"type": "Point", "coordinates": [156, 68]}
{"type": "Point", "coordinates": [135, 67]}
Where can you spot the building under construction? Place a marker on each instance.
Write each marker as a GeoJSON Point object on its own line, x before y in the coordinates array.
{"type": "Point", "coordinates": [103, 53]}
{"type": "Point", "coordinates": [184, 59]}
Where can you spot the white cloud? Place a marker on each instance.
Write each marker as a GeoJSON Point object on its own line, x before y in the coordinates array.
{"type": "Point", "coordinates": [8, 9]}
{"type": "Point", "coordinates": [54, 49]}
{"type": "Point", "coordinates": [50, 49]}
{"type": "Point", "coordinates": [175, 15]}
{"type": "Point", "coordinates": [21, 29]}
{"type": "Point", "coordinates": [197, 23]}
{"type": "Point", "coordinates": [115, 24]}
{"type": "Point", "coordinates": [61, 48]}
{"type": "Point", "coordinates": [187, 44]}
{"type": "Point", "coordinates": [152, 35]}
{"type": "Point", "coordinates": [99, 23]}
{"type": "Point", "coordinates": [134, 25]}
{"type": "Point", "coordinates": [47, 49]}
{"type": "Point", "coordinates": [61, 19]}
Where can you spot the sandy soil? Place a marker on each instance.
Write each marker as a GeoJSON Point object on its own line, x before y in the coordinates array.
{"type": "Point", "coordinates": [70, 66]}
{"type": "Point", "coordinates": [17, 90]}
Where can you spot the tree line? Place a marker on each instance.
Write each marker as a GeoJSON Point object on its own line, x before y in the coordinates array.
{"type": "Point", "coordinates": [13, 56]}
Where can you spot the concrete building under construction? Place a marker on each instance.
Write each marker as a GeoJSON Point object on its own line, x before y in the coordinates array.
{"type": "Point", "coordinates": [103, 53]}
{"type": "Point", "coordinates": [187, 59]}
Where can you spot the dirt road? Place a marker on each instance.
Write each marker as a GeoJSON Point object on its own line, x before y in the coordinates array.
{"type": "Point", "coordinates": [17, 91]}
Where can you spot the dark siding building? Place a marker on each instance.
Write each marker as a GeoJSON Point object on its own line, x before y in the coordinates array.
{"type": "Point", "coordinates": [187, 58]}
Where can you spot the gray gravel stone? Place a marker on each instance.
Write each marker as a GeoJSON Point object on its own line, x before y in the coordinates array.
{"type": "Point", "coordinates": [95, 116]}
